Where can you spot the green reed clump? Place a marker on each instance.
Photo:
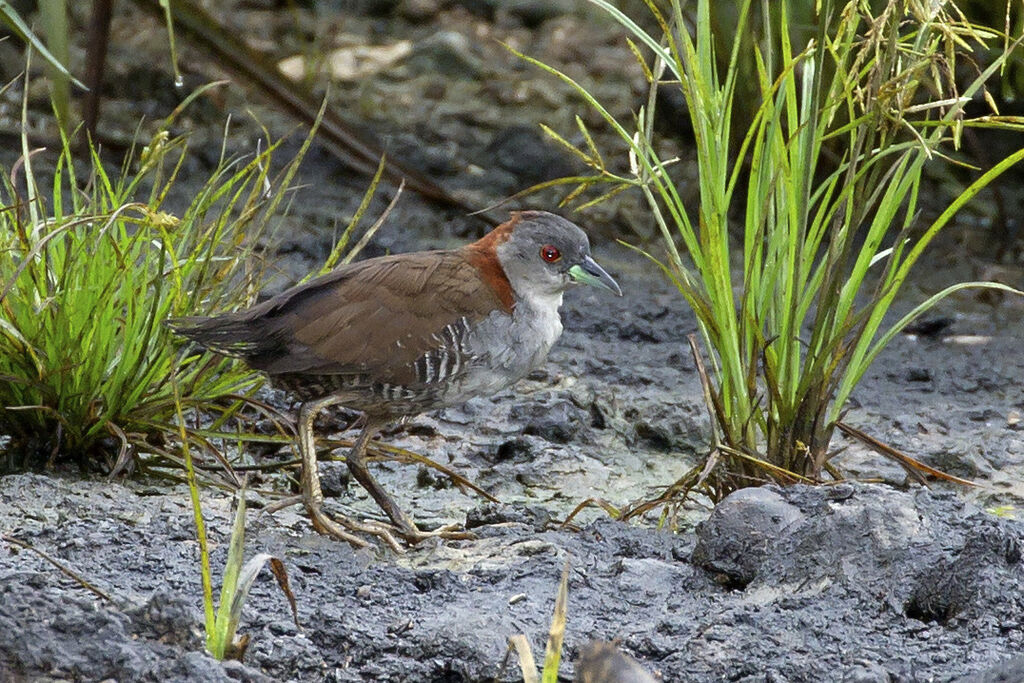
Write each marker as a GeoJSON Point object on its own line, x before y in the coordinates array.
{"type": "Point", "coordinates": [90, 267]}
{"type": "Point", "coordinates": [808, 223]}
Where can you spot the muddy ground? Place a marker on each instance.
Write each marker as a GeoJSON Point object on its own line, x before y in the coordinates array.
{"type": "Point", "coordinates": [884, 582]}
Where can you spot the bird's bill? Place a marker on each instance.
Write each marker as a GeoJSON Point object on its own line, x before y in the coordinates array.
{"type": "Point", "coordinates": [589, 273]}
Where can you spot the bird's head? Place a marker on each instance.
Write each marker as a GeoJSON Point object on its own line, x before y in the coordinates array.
{"type": "Point", "coordinates": [542, 254]}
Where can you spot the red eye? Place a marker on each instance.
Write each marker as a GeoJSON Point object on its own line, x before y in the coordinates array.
{"type": "Point", "coordinates": [550, 253]}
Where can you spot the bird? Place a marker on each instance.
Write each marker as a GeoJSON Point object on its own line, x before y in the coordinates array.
{"type": "Point", "coordinates": [603, 662]}
{"type": "Point", "coordinates": [402, 334]}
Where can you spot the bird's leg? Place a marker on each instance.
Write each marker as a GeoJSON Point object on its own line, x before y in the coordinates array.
{"type": "Point", "coordinates": [313, 497]}
{"type": "Point", "coordinates": [356, 460]}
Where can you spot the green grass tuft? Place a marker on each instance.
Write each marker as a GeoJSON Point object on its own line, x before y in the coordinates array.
{"type": "Point", "coordinates": [808, 223]}
{"type": "Point", "coordinates": [90, 267]}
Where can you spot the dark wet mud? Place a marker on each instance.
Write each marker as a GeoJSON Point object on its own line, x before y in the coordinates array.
{"type": "Point", "coordinates": [850, 582]}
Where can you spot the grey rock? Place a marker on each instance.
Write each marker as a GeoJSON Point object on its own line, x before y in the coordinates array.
{"type": "Point", "coordinates": [69, 634]}
{"type": "Point", "coordinates": [867, 672]}
{"type": "Point", "coordinates": [533, 13]}
{"type": "Point", "coordinates": [446, 52]}
{"type": "Point", "coordinates": [1007, 671]}
{"type": "Point", "coordinates": [739, 535]}
{"type": "Point", "coordinates": [334, 479]}
{"type": "Point", "coordinates": [557, 421]}
{"type": "Point", "coordinates": [954, 587]}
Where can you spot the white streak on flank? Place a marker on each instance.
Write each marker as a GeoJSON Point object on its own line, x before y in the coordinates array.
{"type": "Point", "coordinates": [442, 366]}
{"type": "Point", "coordinates": [456, 354]}
{"type": "Point", "coordinates": [429, 368]}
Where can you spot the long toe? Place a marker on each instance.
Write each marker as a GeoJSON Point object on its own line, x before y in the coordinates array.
{"type": "Point", "coordinates": [450, 532]}
{"type": "Point", "coordinates": [346, 528]}
{"type": "Point", "coordinates": [283, 503]}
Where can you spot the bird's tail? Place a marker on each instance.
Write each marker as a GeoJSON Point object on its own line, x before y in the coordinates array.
{"type": "Point", "coordinates": [230, 335]}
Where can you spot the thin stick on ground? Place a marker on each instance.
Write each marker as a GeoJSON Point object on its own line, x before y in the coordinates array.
{"type": "Point", "coordinates": [59, 565]}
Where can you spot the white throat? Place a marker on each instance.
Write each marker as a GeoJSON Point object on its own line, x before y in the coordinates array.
{"type": "Point", "coordinates": [538, 323]}
{"type": "Point", "coordinates": [542, 301]}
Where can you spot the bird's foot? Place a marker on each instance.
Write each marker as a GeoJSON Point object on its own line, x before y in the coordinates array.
{"type": "Point", "coordinates": [413, 535]}
{"type": "Point", "coordinates": [345, 528]}
{"type": "Point", "coordinates": [342, 528]}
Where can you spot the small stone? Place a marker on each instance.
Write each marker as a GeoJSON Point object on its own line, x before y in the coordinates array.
{"type": "Point", "coordinates": [282, 627]}
{"type": "Point", "coordinates": [487, 514]}
{"type": "Point", "coordinates": [601, 661]}
{"type": "Point", "coordinates": [533, 13]}
{"type": "Point", "coordinates": [334, 478]}
{"type": "Point", "coordinates": [918, 375]}
{"type": "Point", "coordinates": [740, 532]}
{"type": "Point", "coordinates": [517, 448]}
{"type": "Point", "coordinates": [867, 672]}
{"type": "Point", "coordinates": [446, 52]}
{"type": "Point", "coordinates": [419, 11]}
{"type": "Point", "coordinates": [557, 422]}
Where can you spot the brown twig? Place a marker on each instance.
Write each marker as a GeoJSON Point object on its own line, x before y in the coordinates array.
{"type": "Point", "coordinates": [97, 40]}
{"type": "Point", "coordinates": [405, 456]}
{"type": "Point", "coordinates": [58, 565]}
{"type": "Point", "coordinates": [912, 466]}
{"type": "Point", "coordinates": [612, 511]}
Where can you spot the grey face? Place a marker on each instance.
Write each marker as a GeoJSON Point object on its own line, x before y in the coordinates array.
{"type": "Point", "coordinates": [546, 253]}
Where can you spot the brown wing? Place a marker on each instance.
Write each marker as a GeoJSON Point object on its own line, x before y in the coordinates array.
{"type": "Point", "coordinates": [375, 317]}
